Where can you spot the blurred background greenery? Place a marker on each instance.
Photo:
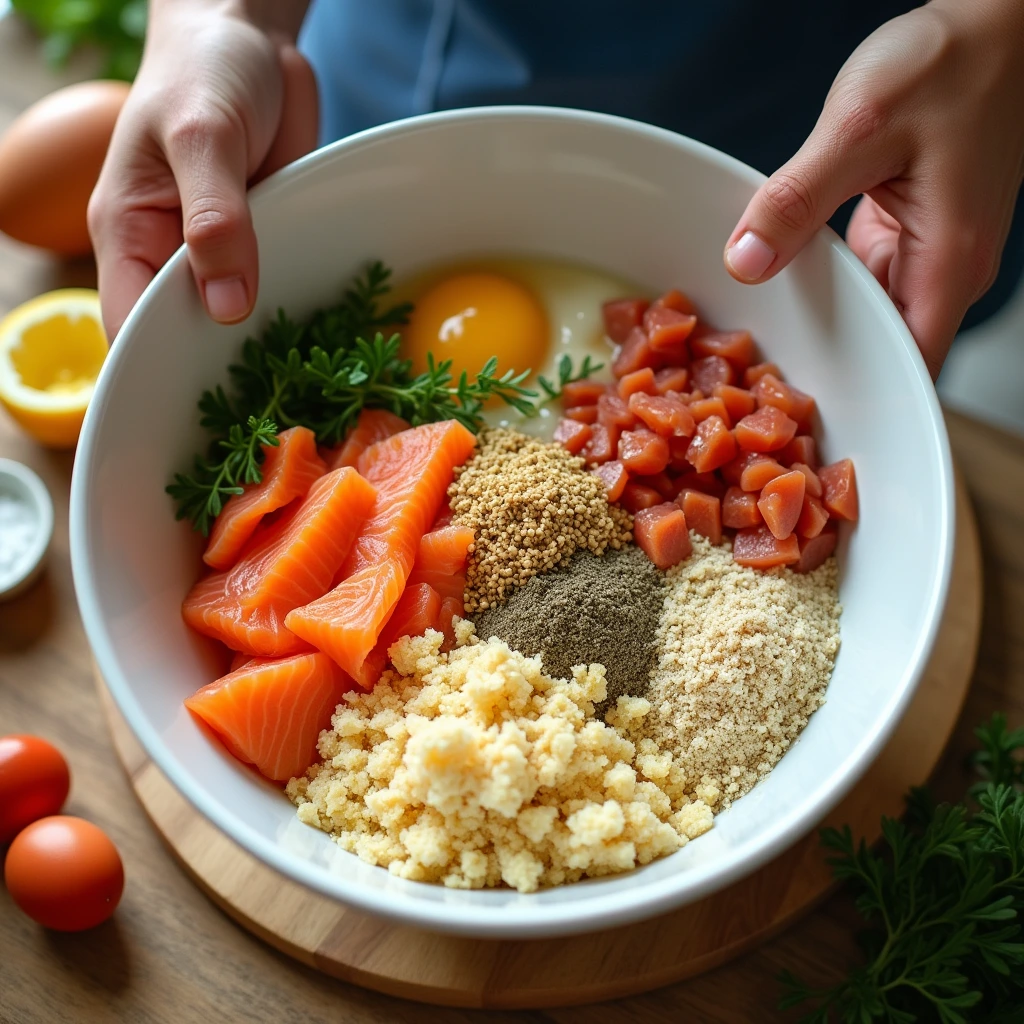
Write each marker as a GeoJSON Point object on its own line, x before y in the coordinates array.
{"type": "Point", "coordinates": [114, 28]}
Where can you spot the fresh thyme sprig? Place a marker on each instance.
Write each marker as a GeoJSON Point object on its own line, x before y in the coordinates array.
{"type": "Point", "coordinates": [202, 494]}
{"type": "Point", "coordinates": [320, 374]}
{"type": "Point", "coordinates": [943, 900]}
{"type": "Point", "coordinates": [566, 375]}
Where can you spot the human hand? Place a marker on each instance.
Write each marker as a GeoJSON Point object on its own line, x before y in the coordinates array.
{"type": "Point", "coordinates": [222, 99]}
{"type": "Point", "coordinates": [926, 119]}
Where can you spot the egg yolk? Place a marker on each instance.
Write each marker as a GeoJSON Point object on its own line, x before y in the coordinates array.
{"type": "Point", "coordinates": [470, 317]}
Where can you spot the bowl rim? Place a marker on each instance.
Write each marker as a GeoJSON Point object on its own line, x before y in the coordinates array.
{"type": "Point", "coordinates": [522, 919]}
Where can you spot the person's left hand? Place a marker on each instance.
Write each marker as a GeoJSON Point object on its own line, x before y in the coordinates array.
{"type": "Point", "coordinates": [926, 119]}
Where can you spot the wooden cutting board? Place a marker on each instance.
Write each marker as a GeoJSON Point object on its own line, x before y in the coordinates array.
{"type": "Point", "coordinates": [454, 971]}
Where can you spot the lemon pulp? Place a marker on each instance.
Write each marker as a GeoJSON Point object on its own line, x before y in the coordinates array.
{"type": "Point", "coordinates": [60, 354]}
{"type": "Point", "coordinates": [51, 351]}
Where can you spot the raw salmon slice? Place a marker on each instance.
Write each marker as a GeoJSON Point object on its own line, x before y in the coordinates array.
{"type": "Point", "coordinates": [289, 470]}
{"type": "Point", "coordinates": [411, 471]}
{"type": "Point", "coordinates": [450, 608]}
{"type": "Point", "coordinates": [261, 632]}
{"type": "Point", "coordinates": [372, 426]}
{"type": "Point", "coordinates": [269, 713]}
{"type": "Point", "coordinates": [418, 609]}
{"type": "Point", "coordinates": [297, 559]}
{"type": "Point", "coordinates": [291, 563]}
{"type": "Point", "coordinates": [445, 549]}
{"type": "Point", "coordinates": [446, 584]}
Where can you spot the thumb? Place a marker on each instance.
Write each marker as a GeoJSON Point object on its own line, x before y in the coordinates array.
{"type": "Point", "coordinates": [208, 158]}
{"type": "Point", "coordinates": [873, 235]}
{"type": "Point", "coordinates": [844, 156]}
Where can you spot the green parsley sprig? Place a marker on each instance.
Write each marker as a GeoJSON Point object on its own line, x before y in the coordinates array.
{"type": "Point", "coordinates": [320, 374]}
{"type": "Point", "coordinates": [943, 900]}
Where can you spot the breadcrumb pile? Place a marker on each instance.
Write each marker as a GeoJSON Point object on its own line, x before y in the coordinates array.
{"type": "Point", "coordinates": [532, 505]}
{"type": "Point", "coordinates": [745, 658]}
{"type": "Point", "coordinates": [474, 769]}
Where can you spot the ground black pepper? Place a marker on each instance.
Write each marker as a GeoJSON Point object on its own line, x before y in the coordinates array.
{"type": "Point", "coordinates": [594, 609]}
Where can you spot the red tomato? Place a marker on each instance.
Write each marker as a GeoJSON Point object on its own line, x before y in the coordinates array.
{"type": "Point", "coordinates": [34, 782]}
{"type": "Point", "coordinates": [64, 873]}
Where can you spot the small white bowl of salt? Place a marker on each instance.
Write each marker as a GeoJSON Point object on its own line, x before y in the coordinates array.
{"type": "Point", "coordinates": [26, 527]}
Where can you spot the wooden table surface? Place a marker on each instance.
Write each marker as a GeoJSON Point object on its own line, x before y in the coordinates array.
{"type": "Point", "coordinates": [170, 956]}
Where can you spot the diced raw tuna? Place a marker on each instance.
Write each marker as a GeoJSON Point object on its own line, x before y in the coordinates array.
{"type": "Point", "coordinates": [709, 372]}
{"type": "Point", "coordinates": [735, 346]}
{"type": "Point", "coordinates": [621, 316]}
{"type": "Point", "coordinates": [758, 548]}
{"type": "Point", "coordinates": [766, 430]}
{"type": "Point", "coordinates": [705, 407]}
{"type": "Point", "coordinates": [739, 510]}
{"type": "Point", "coordinates": [703, 514]}
{"type": "Point", "coordinates": [634, 354]}
{"type": "Point", "coordinates": [662, 533]}
{"type": "Point", "coordinates": [671, 378]}
{"type": "Point", "coordinates": [839, 490]}
{"type": "Point", "coordinates": [602, 446]}
{"type": "Point", "coordinates": [643, 452]}
{"type": "Point", "coordinates": [813, 517]}
{"type": "Point", "coordinates": [614, 477]}
{"type": "Point", "coordinates": [635, 382]}
{"type": "Point", "coordinates": [636, 497]}
{"type": "Point", "coordinates": [781, 502]}
{"type": "Point", "coordinates": [572, 435]}
{"type": "Point", "coordinates": [738, 401]}
{"type": "Point", "coordinates": [712, 446]}
{"type": "Point", "coordinates": [754, 373]}
{"type": "Point", "coordinates": [665, 415]}
{"type": "Point", "coordinates": [814, 551]}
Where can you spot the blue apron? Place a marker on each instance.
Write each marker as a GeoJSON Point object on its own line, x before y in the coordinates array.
{"type": "Point", "coordinates": [732, 73]}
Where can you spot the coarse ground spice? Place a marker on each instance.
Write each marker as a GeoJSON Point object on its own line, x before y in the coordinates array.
{"type": "Point", "coordinates": [602, 609]}
{"type": "Point", "coordinates": [745, 657]}
{"type": "Point", "coordinates": [532, 505]}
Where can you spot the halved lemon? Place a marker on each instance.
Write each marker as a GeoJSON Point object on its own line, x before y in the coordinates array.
{"type": "Point", "coordinates": [51, 350]}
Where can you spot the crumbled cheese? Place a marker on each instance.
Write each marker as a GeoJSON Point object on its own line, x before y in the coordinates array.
{"type": "Point", "coordinates": [475, 768]}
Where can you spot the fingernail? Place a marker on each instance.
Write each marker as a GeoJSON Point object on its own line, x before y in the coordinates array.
{"type": "Point", "coordinates": [749, 257]}
{"type": "Point", "coordinates": [227, 300]}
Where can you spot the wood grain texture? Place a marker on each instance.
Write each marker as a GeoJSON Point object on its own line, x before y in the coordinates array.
{"type": "Point", "coordinates": [453, 971]}
{"type": "Point", "coordinates": [169, 956]}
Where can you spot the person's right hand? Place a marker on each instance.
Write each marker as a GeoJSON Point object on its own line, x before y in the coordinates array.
{"type": "Point", "coordinates": [221, 100]}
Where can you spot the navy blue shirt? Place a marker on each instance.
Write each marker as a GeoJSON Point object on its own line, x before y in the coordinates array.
{"type": "Point", "coordinates": [748, 77]}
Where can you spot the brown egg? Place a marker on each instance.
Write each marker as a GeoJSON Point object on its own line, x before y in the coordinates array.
{"type": "Point", "coordinates": [50, 160]}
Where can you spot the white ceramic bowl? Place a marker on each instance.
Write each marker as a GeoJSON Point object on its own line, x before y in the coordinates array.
{"type": "Point", "coordinates": [633, 200]}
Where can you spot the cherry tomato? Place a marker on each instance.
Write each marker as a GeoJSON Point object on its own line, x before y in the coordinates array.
{"type": "Point", "coordinates": [34, 782]}
{"type": "Point", "coordinates": [64, 873]}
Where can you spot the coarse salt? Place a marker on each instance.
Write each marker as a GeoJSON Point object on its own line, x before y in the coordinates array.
{"type": "Point", "coordinates": [18, 529]}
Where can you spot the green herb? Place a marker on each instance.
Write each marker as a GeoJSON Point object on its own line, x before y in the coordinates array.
{"type": "Point", "coordinates": [567, 376]}
{"type": "Point", "coordinates": [320, 374]}
{"type": "Point", "coordinates": [943, 901]}
{"type": "Point", "coordinates": [116, 28]}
